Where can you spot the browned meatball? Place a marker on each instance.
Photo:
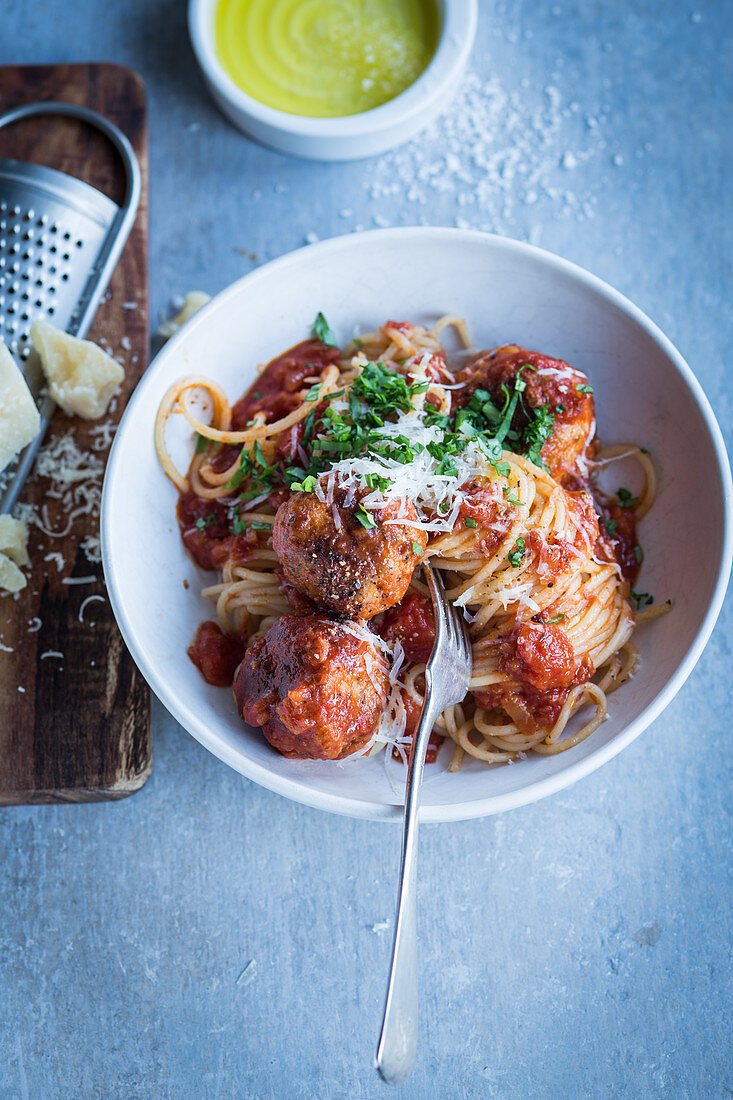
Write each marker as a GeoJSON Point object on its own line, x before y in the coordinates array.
{"type": "Point", "coordinates": [316, 689]}
{"type": "Point", "coordinates": [355, 571]}
{"type": "Point", "coordinates": [553, 383]}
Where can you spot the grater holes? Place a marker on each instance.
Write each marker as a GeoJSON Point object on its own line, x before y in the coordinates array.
{"type": "Point", "coordinates": [29, 216]}
{"type": "Point", "coordinates": [79, 244]}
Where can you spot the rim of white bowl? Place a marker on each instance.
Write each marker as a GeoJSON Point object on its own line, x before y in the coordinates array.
{"type": "Point", "coordinates": [482, 807]}
{"type": "Point", "coordinates": [458, 30]}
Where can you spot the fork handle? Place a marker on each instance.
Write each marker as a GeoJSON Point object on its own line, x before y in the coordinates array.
{"type": "Point", "coordinates": [398, 1037]}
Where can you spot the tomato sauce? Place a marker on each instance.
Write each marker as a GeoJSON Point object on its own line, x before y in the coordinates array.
{"type": "Point", "coordinates": [275, 391]}
{"type": "Point", "coordinates": [491, 515]}
{"type": "Point", "coordinates": [620, 543]}
{"type": "Point", "coordinates": [412, 623]}
{"type": "Point", "coordinates": [541, 659]}
{"type": "Point", "coordinates": [206, 531]}
{"type": "Point", "coordinates": [217, 655]}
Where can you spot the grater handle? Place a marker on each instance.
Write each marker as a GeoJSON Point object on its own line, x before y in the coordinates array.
{"type": "Point", "coordinates": [104, 265]}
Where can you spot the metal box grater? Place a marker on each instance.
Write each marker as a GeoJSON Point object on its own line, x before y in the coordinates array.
{"type": "Point", "coordinates": [60, 240]}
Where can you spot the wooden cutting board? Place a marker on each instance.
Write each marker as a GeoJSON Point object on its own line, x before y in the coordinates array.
{"type": "Point", "coordinates": [74, 710]}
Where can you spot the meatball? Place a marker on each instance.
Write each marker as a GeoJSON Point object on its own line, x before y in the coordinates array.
{"type": "Point", "coordinates": [316, 689]}
{"type": "Point", "coordinates": [343, 566]}
{"type": "Point", "coordinates": [553, 383]}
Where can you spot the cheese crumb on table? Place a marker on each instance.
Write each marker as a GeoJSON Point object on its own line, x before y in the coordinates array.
{"type": "Point", "coordinates": [82, 378]}
{"type": "Point", "coordinates": [19, 418]}
{"type": "Point", "coordinates": [195, 299]}
{"type": "Point", "coordinates": [13, 553]}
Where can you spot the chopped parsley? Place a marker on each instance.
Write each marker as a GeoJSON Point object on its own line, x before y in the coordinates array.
{"type": "Point", "coordinates": [323, 331]}
{"type": "Point", "coordinates": [638, 553]}
{"type": "Point", "coordinates": [365, 518]}
{"type": "Point", "coordinates": [610, 525]}
{"type": "Point", "coordinates": [307, 485]}
{"type": "Point", "coordinates": [254, 468]}
{"type": "Point", "coordinates": [470, 521]}
{"type": "Point", "coordinates": [313, 392]}
{"type": "Point", "coordinates": [537, 432]}
{"type": "Point", "coordinates": [201, 442]}
{"type": "Point", "coordinates": [585, 389]}
{"type": "Point", "coordinates": [511, 496]}
{"type": "Point", "coordinates": [555, 619]}
{"type": "Point", "coordinates": [625, 498]}
{"type": "Point", "coordinates": [202, 524]}
{"type": "Point", "coordinates": [417, 549]}
{"type": "Point", "coordinates": [642, 599]}
{"type": "Point", "coordinates": [257, 525]}
{"type": "Point", "coordinates": [516, 555]}
{"type": "Point", "coordinates": [385, 391]}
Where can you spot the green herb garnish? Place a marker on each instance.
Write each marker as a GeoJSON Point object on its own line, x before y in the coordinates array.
{"type": "Point", "coordinates": [584, 389]}
{"type": "Point", "coordinates": [417, 549]}
{"type": "Point", "coordinates": [625, 498]}
{"type": "Point", "coordinates": [365, 518]}
{"type": "Point", "coordinates": [202, 524]}
{"type": "Point", "coordinates": [323, 331]}
{"type": "Point", "coordinates": [516, 555]}
{"type": "Point", "coordinates": [470, 521]}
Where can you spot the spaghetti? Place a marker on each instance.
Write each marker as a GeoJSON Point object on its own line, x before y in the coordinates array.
{"type": "Point", "coordinates": [486, 467]}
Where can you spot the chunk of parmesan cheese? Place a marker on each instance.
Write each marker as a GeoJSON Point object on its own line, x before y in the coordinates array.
{"type": "Point", "coordinates": [13, 553]}
{"type": "Point", "coordinates": [14, 539]}
{"type": "Point", "coordinates": [19, 419]}
{"type": "Point", "coordinates": [195, 299]}
{"type": "Point", "coordinates": [11, 578]}
{"type": "Point", "coordinates": [81, 377]}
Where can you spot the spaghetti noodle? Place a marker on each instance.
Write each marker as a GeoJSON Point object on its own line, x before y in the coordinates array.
{"type": "Point", "coordinates": [486, 467]}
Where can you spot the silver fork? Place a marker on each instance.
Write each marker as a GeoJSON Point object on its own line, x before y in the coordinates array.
{"type": "Point", "coordinates": [446, 682]}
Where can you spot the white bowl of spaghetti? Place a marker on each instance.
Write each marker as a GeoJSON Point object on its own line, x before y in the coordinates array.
{"type": "Point", "coordinates": [507, 470]}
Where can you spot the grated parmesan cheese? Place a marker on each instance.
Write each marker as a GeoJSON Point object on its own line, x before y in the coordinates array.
{"type": "Point", "coordinates": [76, 478]}
{"type": "Point", "coordinates": [434, 495]}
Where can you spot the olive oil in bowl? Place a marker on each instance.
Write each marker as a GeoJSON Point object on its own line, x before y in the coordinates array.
{"type": "Point", "coordinates": [325, 58]}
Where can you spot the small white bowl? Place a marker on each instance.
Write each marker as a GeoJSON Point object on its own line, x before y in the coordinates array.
{"type": "Point", "coordinates": [351, 136]}
{"type": "Point", "coordinates": [508, 292]}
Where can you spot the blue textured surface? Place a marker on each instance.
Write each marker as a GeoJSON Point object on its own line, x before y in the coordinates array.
{"type": "Point", "coordinates": [578, 947]}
